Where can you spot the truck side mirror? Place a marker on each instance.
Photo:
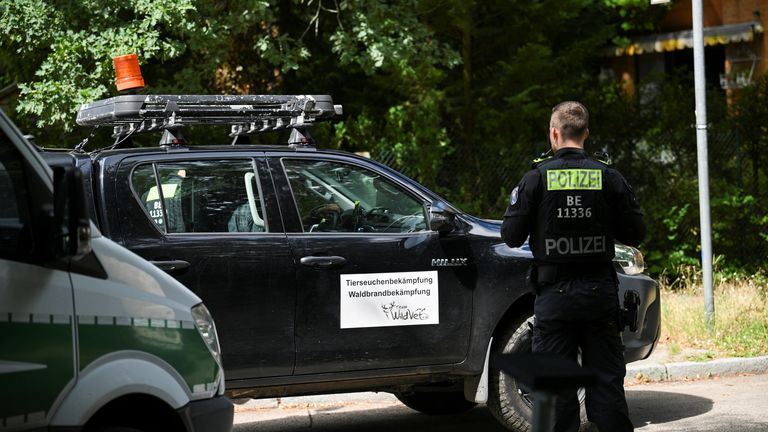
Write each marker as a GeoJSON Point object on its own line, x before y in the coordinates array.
{"type": "Point", "coordinates": [441, 219]}
{"type": "Point", "coordinates": [69, 225]}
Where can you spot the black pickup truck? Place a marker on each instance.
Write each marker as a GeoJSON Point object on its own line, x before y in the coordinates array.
{"type": "Point", "coordinates": [325, 271]}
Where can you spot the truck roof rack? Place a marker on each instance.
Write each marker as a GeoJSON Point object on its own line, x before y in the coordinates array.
{"type": "Point", "coordinates": [246, 114]}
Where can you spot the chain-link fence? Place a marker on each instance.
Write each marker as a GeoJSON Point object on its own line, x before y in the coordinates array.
{"type": "Point", "coordinates": [665, 178]}
{"type": "Point", "coordinates": [480, 185]}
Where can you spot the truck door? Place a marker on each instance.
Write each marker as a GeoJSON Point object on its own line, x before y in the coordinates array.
{"type": "Point", "coordinates": [214, 225]}
{"type": "Point", "coordinates": [371, 293]}
{"type": "Point", "coordinates": [36, 312]}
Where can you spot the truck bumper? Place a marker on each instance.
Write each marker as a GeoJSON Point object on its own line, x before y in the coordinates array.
{"type": "Point", "coordinates": [640, 344]}
{"type": "Point", "coordinates": [215, 414]}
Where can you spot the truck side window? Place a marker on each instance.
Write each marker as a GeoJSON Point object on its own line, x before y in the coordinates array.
{"type": "Point", "coordinates": [339, 197]}
{"type": "Point", "coordinates": [14, 211]}
{"type": "Point", "coordinates": [201, 196]}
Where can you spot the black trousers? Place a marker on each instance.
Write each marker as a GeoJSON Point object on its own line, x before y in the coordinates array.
{"type": "Point", "coordinates": [583, 313]}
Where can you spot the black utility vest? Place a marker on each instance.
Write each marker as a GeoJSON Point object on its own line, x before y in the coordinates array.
{"type": "Point", "coordinates": [573, 219]}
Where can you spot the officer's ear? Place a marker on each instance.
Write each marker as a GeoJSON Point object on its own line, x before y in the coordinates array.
{"type": "Point", "coordinates": [586, 134]}
{"type": "Point", "coordinates": [553, 136]}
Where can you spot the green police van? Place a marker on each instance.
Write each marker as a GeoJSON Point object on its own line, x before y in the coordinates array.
{"type": "Point", "coordinates": [92, 337]}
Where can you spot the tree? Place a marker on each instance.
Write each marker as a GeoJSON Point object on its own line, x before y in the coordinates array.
{"type": "Point", "coordinates": [59, 52]}
{"type": "Point", "coordinates": [456, 93]}
{"type": "Point", "coordinates": [63, 49]}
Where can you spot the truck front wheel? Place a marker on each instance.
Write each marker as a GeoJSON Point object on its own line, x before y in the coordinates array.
{"type": "Point", "coordinates": [511, 405]}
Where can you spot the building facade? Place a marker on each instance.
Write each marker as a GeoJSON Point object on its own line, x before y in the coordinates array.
{"type": "Point", "coordinates": [736, 51]}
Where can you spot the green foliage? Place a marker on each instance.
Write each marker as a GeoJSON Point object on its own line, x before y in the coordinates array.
{"type": "Point", "coordinates": [456, 93]}
{"type": "Point", "coordinates": [63, 49]}
{"type": "Point", "coordinates": [381, 36]}
{"type": "Point", "coordinates": [682, 241]}
{"type": "Point", "coordinates": [735, 190]}
{"type": "Point", "coordinates": [652, 142]}
{"type": "Point", "coordinates": [72, 43]}
{"type": "Point", "coordinates": [411, 133]}
{"type": "Point", "coordinates": [636, 15]}
{"type": "Point", "coordinates": [748, 118]}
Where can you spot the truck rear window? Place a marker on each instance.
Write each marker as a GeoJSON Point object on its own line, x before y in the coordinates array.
{"type": "Point", "coordinates": [201, 196]}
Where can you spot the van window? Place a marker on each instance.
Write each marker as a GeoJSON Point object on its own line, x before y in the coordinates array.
{"type": "Point", "coordinates": [201, 196]}
{"type": "Point", "coordinates": [14, 213]}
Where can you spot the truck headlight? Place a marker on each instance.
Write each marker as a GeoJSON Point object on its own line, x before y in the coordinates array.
{"type": "Point", "coordinates": [207, 328]}
{"type": "Point", "coordinates": [629, 259]}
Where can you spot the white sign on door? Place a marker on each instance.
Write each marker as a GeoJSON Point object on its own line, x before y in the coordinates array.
{"type": "Point", "coordinates": [389, 299]}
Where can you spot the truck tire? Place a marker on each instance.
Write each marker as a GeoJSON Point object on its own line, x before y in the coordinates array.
{"type": "Point", "coordinates": [508, 403]}
{"type": "Point", "coordinates": [436, 403]}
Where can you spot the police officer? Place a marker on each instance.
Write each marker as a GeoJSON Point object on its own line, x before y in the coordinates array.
{"type": "Point", "coordinates": [574, 207]}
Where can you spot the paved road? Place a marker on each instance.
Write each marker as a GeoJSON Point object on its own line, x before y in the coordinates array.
{"type": "Point", "coordinates": [736, 404]}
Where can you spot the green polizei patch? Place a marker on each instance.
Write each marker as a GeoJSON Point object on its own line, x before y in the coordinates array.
{"type": "Point", "coordinates": [176, 342]}
{"type": "Point", "coordinates": [37, 364]}
{"type": "Point", "coordinates": [574, 179]}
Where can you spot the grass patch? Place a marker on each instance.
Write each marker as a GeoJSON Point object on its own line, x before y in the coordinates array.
{"type": "Point", "coordinates": [674, 349]}
{"type": "Point", "coordinates": [741, 316]}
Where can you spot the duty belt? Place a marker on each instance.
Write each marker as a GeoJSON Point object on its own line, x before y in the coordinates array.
{"type": "Point", "coordinates": [550, 273]}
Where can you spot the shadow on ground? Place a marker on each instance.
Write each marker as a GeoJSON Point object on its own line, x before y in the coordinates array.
{"type": "Point", "coordinates": [395, 418]}
{"type": "Point", "coordinates": [645, 407]}
{"type": "Point", "coordinates": [654, 407]}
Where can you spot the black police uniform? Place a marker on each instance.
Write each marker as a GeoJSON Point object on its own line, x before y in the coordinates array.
{"type": "Point", "coordinates": [573, 207]}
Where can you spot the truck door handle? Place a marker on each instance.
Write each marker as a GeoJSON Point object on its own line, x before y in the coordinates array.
{"type": "Point", "coordinates": [172, 267]}
{"type": "Point", "coordinates": [323, 262]}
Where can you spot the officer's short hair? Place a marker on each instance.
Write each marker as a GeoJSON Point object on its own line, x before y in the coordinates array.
{"type": "Point", "coordinates": [571, 118]}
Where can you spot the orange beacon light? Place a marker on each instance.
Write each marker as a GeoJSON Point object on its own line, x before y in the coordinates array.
{"type": "Point", "coordinates": [128, 72]}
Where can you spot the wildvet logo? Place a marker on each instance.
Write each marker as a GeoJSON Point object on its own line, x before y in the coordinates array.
{"type": "Point", "coordinates": [449, 262]}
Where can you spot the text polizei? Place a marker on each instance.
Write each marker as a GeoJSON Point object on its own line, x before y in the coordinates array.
{"type": "Point", "coordinates": [574, 245]}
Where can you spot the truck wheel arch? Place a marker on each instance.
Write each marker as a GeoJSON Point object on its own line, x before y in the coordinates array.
{"type": "Point", "coordinates": [476, 386]}
{"type": "Point", "coordinates": [522, 307]}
